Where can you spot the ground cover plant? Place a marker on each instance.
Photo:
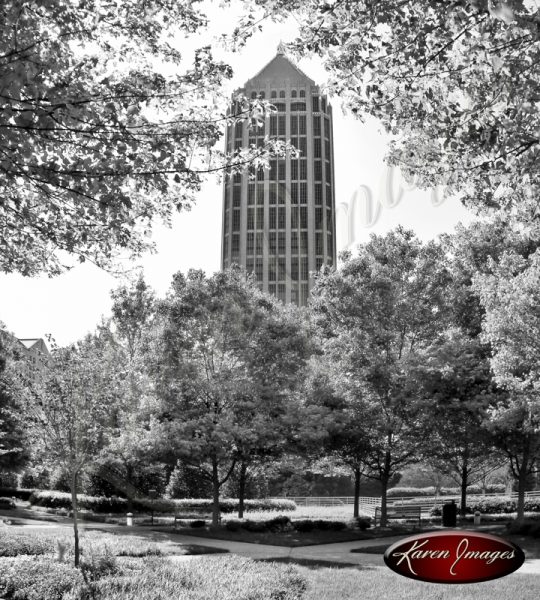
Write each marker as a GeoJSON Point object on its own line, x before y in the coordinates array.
{"type": "Point", "coordinates": [155, 578]}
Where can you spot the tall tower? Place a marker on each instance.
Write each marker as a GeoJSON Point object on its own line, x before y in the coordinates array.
{"type": "Point", "coordinates": [281, 224]}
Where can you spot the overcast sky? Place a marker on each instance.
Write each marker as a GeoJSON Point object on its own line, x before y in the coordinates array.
{"type": "Point", "coordinates": [71, 305]}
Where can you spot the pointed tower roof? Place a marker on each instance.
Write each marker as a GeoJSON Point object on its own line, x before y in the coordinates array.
{"type": "Point", "coordinates": [280, 68]}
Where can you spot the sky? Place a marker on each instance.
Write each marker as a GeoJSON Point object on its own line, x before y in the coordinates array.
{"type": "Point", "coordinates": [72, 304]}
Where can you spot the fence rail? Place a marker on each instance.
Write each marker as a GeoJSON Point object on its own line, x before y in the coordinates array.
{"type": "Point", "coordinates": [368, 503]}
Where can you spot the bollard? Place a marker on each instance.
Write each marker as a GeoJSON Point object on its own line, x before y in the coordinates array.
{"type": "Point", "coordinates": [477, 517]}
{"type": "Point", "coordinates": [129, 520]}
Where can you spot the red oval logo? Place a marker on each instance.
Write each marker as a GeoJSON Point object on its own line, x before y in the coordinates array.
{"type": "Point", "coordinates": [454, 557]}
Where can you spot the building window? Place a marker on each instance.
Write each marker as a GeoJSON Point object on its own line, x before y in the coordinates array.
{"type": "Point", "coordinates": [318, 170]}
{"type": "Point", "coordinates": [273, 170]}
{"type": "Point", "coordinates": [272, 239]}
{"type": "Point", "coordinates": [328, 196]}
{"type": "Point", "coordinates": [236, 220]}
{"type": "Point", "coordinates": [294, 193]}
{"type": "Point", "coordinates": [303, 242]}
{"type": "Point", "coordinates": [318, 194]}
{"type": "Point", "coordinates": [262, 95]}
{"type": "Point", "coordinates": [302, 124]}
{"type": "Point", "coordinates": [316, 126]}
{"type": "Point", "coordinates": [281, 242]}
{"type": "Point", "coordinates": [250, 218]}
{"type": "Point", "coordinates": [304, 294]}
{"type": "Point", "coordinates": [294, 218]}
{"type": "Point", "coordinates": [304, 272]}
{"type": "Point", "coordinates": [303, 193]}
{"type": "Point", "coordinates": [282, 193]}
{"type": "Point", "coordinates": [302, 93]}
{"type": "Point", "coordinates": [280, 106]}
{"type": "Point", "coordinates": [303, 168]}
{"type": "Point", "coordinates": [235, 247]}
{"type": "Point", "coordinates": [294, 125]}
{"type": "Point", "coordinates": [272, 217]}
{"type": "Point", "coordinates": [273, 124]}
{"type": "Point", "coordinates": [250, 264]}
{"type": "Point", "coordinates": [259, 246]}
{"type": "Point", "coordinates": [294, 242]}
{"type": "Point", "coordinates": [281, 292]}
{"type": "Point", "coordinates": [303, 217]}
{"type": "Point", "coordinates": [250, 244]}
{"type": "Point", "coordinates": [281, 170]}
{"type": "Point", "coordinates": [326, 128]}
{"type": "Point", "coordinates": [282, 93]}
{"type": "Point", "coordinates": [298, 107]}
{"type": "Point", "coordinates": [260, 217]}
{"type": "Point", "coordinates": [253, 95]}
{"type": "Point", "coordinates": [282, 268]}
{"type": "Point", "coordinates": [317, 150]}
{"type": "Point", "coordinates": [272, 193]}
{"type": "Point", "coordinates": [293, 94]}
{"type": "Point", "coordinates": [237, 195]}
{"type": "Point", "coordinates": [251, 193]}
{"type": "Point", "coordinates": [260, 174]}
{"type": "Point", "coordinates": [259, 269]}
{"type": "Point", "coordinates": [294, 293]}
{"type": "Point", "coordinates": [315, 103]}
{"type": "Point", "coordinates": [318, 218]}
{"type": "Point", "coordinates": [294, 170]}
{"type": "Point", "coordinates": [302, 145]}
{"type": "Point", "coordinates": [260, 193]}
{"type": "Point", "coordinates": [273, 94]}
{"type": "Point", "coordinates": [319, 245]}
{"type": "Point", "coordinates": [281, 217]}
{"type": "Point", "coordinates": [323, 103]}
{"type": "Point", "coordinates": [226, 245]}
{"type": "Point", "coordinates": [272, 271]}
{"type": "Point", "coordinates": [328, 172]}
{"type": "Point", "coordinates": [294, 269]}
{"type": "Point", "coordinates": [328, 219]}
{"type": "Point", "coordinates": [238, 129]}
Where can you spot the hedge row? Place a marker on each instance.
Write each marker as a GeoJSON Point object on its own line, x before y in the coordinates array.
{"type": "Point", "coordinates": [22, 494]}
{"type": "Point", "coordinates": [495, 488]}
{"type": "Point", "coordinates": [284, 523]}
{"type": "Point", "coordinates": [101, 504]}
{"type": "Point", "coordinates": [495, 505]}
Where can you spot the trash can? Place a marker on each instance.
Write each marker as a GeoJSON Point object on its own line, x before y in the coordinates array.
{"type": "Point", "coordinates": [449, 514]}
{"type": "Point", "coordinates": [477, 517]}
{"type": "Point", "coordinates": [129, 520]}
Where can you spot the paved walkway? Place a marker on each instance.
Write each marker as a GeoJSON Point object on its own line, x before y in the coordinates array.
{"type": "Point", "coordinates": [337, 554]}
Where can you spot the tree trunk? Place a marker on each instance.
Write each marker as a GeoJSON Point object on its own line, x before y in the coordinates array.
{"type": "Point", "coordinates": [384, 491]}
{"type": "Point", "coordinates": [215, 494]}
{"type": "Point", "coordinates": [74, 507]}
{"type": "Point", "coordinates": [356, 492]}
{"type": "Point", "coordinates": [242, 489]}
{"type": "Point", "coordinates": [464, 481]}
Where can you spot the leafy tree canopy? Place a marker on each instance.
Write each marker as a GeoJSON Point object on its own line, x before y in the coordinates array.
{"type": "Point", "coordinates": [456, 83]}
{"type": "Point", "coordinates": [97, 137]}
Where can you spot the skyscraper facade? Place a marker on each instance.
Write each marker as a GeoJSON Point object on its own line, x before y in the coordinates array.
{"type": "Point", "coordinates": [280, 222]}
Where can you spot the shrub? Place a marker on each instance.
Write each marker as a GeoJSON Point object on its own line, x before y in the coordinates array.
{"type": "Point", "coordinates": [16, 544]}
{"type": "Point", "coordinates": [37, 578]}
{"type": "Point", "coordinates": [7, 504]}
{"type": "Point", "coordinates": [233, 525]}
{"type": "Point", "coordinates": [494, 488]}
{"type": "Point", "coordinates": [495, 505]}
{"type": "Point", "coordinates": [99, 504]}
{"type": "Point", "coordinates": [363, 523]}
{"type": "Point", "coordinates": [21, 494]}
{"type": "Point", "coordinates": [197, 523]}
{"type": "Point", "coordinates": [304, 525]}
{"type": "Point", "coordinates": [255, 526]}
{"type": "Point", "coordinates": [279, 523]}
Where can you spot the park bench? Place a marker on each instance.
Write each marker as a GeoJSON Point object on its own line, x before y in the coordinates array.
{"type": "Point", "coordinates": [400, 512]}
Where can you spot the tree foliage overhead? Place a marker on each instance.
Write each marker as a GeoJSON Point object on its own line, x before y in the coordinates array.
{"type": "Point", "coordinates": [97, 137]}
{"type": "Point", "coordinates": [456, 82]}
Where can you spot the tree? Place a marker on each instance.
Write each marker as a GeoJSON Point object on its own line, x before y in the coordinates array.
{"type": "Point", "coordinates": [458, 389]}
{"type": "Point", "coordinates": [456, 84]}
{"type": "Point", "coordinates": [13, 443]}
{"type": "Point", "coordinates": [511, 297]}
{"type": "Point", "coordinates": [97, 138]}
{"type": "Point", "coordinates": [69, 412]}
{"type": "Point", "coordinates": [377, 311]}
{"type": "Point", "coordinates": [225, 358]}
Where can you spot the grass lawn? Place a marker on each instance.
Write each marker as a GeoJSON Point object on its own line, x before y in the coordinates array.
{"type": "Point", "coordinates": [381, 584]}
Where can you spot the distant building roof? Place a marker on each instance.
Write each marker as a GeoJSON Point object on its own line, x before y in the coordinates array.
{"type": "Point", "coordinates": [280, 68]}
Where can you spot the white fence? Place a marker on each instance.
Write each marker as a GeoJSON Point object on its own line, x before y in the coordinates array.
{"type": "Point", "coordinates": [368, 503]}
